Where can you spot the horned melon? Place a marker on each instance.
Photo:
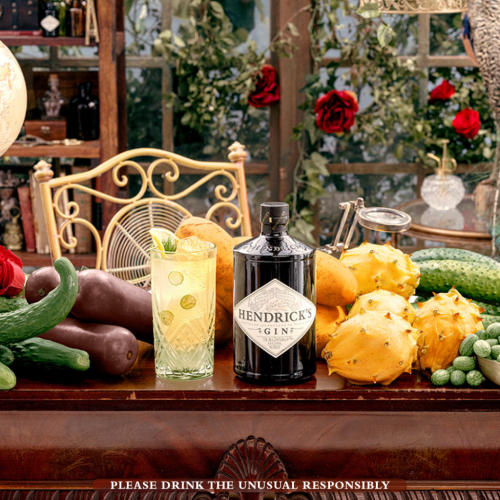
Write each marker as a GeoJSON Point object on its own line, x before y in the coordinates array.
{"type": "Point", "coordinates": [383, 301]}
{"type": "Point", "coordinates": [372, 347]}
{"type": "Point", "coordinates": [382, 267]}
{"type": "Point", "coordinates": [443, 322]}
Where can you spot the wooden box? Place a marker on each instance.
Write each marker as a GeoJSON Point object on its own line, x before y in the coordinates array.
{"type": "Point", "coordinates": [46, 129]}
{"type": "Point", "coordinates": [19, 15]}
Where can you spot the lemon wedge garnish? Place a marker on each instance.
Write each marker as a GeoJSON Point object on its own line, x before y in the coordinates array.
{"type": "Point", "coordinates": [164, 240]}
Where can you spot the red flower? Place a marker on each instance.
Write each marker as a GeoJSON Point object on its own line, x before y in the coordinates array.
{"type": "Point", "coordinates": [442, 92]}
{"type": "Point", "coordinates": [335, 111]}
{"type": "Point", "coordinates": [467, 123]}
{"type": "Point", "coordinates": [11, 273]}
{"type": "Point", "coordinates": [267, 88]}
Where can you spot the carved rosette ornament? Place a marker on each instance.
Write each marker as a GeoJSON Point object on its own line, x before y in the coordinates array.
{"type": "Point", "coordinates": [251, 459]}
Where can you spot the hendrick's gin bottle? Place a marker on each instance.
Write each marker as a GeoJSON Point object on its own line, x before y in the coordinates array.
{"type": "Point", "coordinates": [274, 304]}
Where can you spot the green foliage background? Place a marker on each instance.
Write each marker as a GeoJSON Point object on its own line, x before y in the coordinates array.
{"type": "Point", "coordinates": [215, 62]}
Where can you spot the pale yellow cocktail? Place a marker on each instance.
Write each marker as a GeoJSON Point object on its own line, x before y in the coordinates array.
{"type": "Point", "coordinates": [183, 288]}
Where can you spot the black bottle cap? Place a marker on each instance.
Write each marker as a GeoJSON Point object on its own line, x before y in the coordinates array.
{"type": "Point", "coordinates": [274, 213]}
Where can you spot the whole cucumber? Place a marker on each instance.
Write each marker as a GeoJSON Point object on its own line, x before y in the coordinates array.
{"type": "Point", "coordinates": [33, 320]}
{"type": "Point", "coordinates": [43, 352]}
{"type": "Point", "coordinates": [112, 349]}
{"type": "Point", "coordinates": [452, 254]}
{"type": "Point", "coordinates": [11, 304]}
{"type": "Point", "coordinates": [102, 298]}
{"type": "Point", "coordinates": [472, 279]}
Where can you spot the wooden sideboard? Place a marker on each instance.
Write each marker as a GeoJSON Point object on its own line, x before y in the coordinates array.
{"type": "Point", "coordinates": [67, 434]}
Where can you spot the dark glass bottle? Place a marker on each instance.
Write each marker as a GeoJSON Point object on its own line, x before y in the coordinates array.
{"type": "Point", "coordinates": [274, 304]}
{"type": "Point", "coordinates": [50, 20]}
{"type": "Point", "coordinates": [83, 114]}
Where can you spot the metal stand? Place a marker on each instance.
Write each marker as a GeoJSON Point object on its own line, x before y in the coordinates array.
{"type": "Point", "coordinates": [388, 220]}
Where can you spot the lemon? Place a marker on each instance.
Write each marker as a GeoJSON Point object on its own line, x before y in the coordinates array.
{"type": "Point", "coordinates": [164, 240]}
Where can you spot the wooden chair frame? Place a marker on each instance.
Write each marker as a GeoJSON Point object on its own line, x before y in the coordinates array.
{"type": "Point", "coordinates": [51, 190]}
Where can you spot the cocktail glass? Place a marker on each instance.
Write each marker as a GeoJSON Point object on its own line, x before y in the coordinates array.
{"type": "Point", "coordinates": [183, 290]}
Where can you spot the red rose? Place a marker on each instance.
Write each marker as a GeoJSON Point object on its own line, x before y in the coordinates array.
{"type": "Point", "coordinates": [267, 88]}
{"type": "Point", "coordinates": [442, 92]}
{"type": "Point", "coordinates": [11, 273]}
{"type": "Point", "coordinates": [335, 111]}
{"type": "Point", "coordinates": [467, 123]}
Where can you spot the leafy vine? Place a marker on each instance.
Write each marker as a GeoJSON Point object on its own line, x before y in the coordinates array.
{"type": "Point", "coordinates": [392, 123]}
{"type": "Point", "coordinates": [215, 68]}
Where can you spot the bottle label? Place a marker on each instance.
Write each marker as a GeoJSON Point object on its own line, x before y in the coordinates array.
{"type": "Point", "coordinates": [275, 317]}
{"type": "Point", "coordinates": [49, 23]}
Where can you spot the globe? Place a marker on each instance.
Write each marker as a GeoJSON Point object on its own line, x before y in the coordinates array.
{"type": "Point", "coordinates": [13, 98]}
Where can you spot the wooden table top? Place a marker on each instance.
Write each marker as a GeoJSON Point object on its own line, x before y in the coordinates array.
{"type": "Point", "coordinates": [141, 390]}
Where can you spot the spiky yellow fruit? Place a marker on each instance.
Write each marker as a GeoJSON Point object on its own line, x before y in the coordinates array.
{"type": "Point", "coordinates": [372, 347]}
{"type": "Point", "coordinates": [442, 323]}
{"type": "Point", "coordinates": [384, 301]}
{"type": "Point", "coordinates": [382, 267]}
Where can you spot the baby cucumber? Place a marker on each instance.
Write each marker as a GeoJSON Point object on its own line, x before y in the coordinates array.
{"type": "Point", "coordinates": [493, 330]}
{"type": "Point", "coordinates": [7, 377]}
{"type": "Point", "coordinates": [481, 334]}
{"type": "Point", "coordinates": [474, 378]}
{"type": "Point", "coordinates": [440, 377]}
{"type": "Point", "coordinates": [482, 348]}
{"type": "Point", "coordinates": [457, 377]}
{"type": "Point", "coordinates": [38, 318]}
{"type": "Point", "coordinates": [492, 342]}
{"type": "Point", "coordinates": [464, 363]}
{"type": "Point", "coordinates": [495, 351]}
{"type": "Point", "coordinates": [467, 345]}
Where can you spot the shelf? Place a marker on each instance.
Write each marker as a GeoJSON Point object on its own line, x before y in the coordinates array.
{"type": "Point", "coordinates": [31, 259]}
{"type": "Point", "coordinates": [59, 41]}
{"type": "Point", "coordinates": [88, 149]}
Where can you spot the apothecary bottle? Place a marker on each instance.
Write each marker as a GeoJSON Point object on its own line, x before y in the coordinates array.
{"type": "Point", "coordinates": [274, 304]}
{"type": "Point", "coordinates": [83, 115]}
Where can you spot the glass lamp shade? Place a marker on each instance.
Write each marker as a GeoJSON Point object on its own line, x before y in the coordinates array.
{"type": "Point", "coordinates": [13, 98]}
{"type": "Point", "coordinates": [442, 191]}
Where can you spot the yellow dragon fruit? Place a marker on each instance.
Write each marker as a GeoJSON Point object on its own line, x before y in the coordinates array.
{"type": "Point", "coordinates": [382, 267]}
{"type": "Point", "coordinates": [442, 323]}
{"type": "Point", "coordinates": [372, 347]}
{"type": "Point", "coordinates": [384, 301]}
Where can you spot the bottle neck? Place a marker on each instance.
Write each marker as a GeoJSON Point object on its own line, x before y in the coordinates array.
{"type": "Point", "coordinates": [275, 231]}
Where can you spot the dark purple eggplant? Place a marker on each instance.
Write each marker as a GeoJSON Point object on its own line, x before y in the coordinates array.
{"type": "Point", "coordinates": [102, 298]}
{"type": "Point", "coordinates": [112, 349]}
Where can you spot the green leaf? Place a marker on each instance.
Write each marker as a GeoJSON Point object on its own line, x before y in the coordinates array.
{"type": "Point", "coordinates": [217, 9]}
{"type": "Point", "coordinates": [385, 34]}
{"type": "Point", "coordinates": [179, 41]}
{"type": "Point", "coordinates": [320, 162]}
{"type": "Point", "coordinates": [369, 10]}
{"type": "Point", "coordinates": [293, 29]}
